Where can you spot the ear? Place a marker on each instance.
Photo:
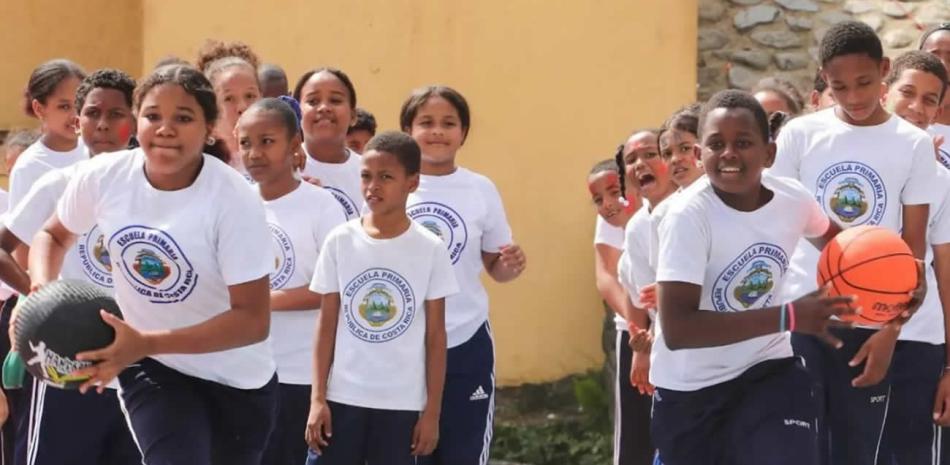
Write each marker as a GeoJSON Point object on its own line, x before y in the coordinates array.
{"type": "Point", "coordinates": [770, 151]}
{"type": "Point", "coordinates": [885, 66]}
{"type": "Point", "coordinates": [413, 182]}
{"type": "Point", "coordinates": [38, 109]}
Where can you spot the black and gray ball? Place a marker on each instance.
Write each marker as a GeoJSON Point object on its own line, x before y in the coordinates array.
{"type": "Point", "coordinates": [58, 321]}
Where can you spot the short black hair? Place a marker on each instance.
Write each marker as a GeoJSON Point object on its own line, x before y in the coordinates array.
{"type": "Point", "coordinates": [268, 71]}
{"type": "Point", "coordinates": [931, 31]}
{"type": "Point", "coordinates": [920, 61]}
{"type": "Point", "coordinates": [785, 89]}
{"type": "Point", "coordinates": [820, 85]}
{"type": "Point", "coordinates": [605, 165]}
{"type": "Point", "coordinates": [338, 73]}
{"type": "Point", "coordinates": [285, 113]}
{"type": "Point", "coordinates": [365, 121]}
{"type": "Point", "coordinates": [736, 99]}
{"type": "Point", "coordinates": [106, 78]}
{"type": "Point", "coordinates": [420, 96]}
{"type": "Point", "coordinates": [399, 145]}
{"type": "Point", "coordinates": [849, 38]}
{"type": "Point", "coordinates": [44, 80]}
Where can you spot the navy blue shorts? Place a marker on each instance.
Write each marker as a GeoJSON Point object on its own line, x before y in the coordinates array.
{"type": "Point", "coordinates": [766, 415]}
{"type": "Point", "coordinates": [179, 419]}
{"type": "Point", "coordinates": [632, 444]}
{"type": "Point", "coordinates": [367, 436]}
{"type": "Point", "coordinates": [287, 444]}
{"type": "Point", "coordinates": [468, 403]}
{"type": "Point", "coordinates": [910, 435]}
{"type": "Point", "coordinates": [850, 419]}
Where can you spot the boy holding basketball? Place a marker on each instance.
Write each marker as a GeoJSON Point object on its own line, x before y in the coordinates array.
{"type": "Point", "coordinates": [864, 166]}
{"type": "Point", "coordinates": [916, 86]}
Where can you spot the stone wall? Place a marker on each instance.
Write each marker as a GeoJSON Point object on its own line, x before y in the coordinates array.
{"type": "Point", "coordinates": [741, 41]}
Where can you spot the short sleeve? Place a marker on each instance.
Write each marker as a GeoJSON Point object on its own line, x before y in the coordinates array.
{"type": "Point", "coordinates": [816, 222]}
{"type": "Point", "coordinates": [496, 233]}
{"type": "Point", "coordinates": [242, 227]}
{"type": "Point", "coordinates": [442, 281]}
{"type": "Point", "coordinates": [325, 276]}
{"type": "Point", "coordinates": [22, 178]}
{"type": "Point", "coordinates": [607, 234]}
{"type": "Point", "coordinates": [788, 157]}
{"type": "Point", "coordinates": [684, 248]}
{"type": "Point", "coordinates": [940, 217]}
{"type": "Point", "coordinates": [36, 207]}
{"type": "Point", "coordinates": [331, 217]}
{"type": "Point", "coordinates": [77, 208]}
{"type": "Point", "coordinates": [918, 188]}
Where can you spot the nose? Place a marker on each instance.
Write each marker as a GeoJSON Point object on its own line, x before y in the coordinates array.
{"type": "Point", "coordinates": [102, 124]}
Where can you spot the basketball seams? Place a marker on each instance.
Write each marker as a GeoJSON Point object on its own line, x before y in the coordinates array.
{"type": "Point", "coordinates": [871, 260]}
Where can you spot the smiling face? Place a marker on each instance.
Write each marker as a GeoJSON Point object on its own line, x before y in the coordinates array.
{"type": "Point", "coordinates": [385, 182]}
{"type": "Point", "coordinates": [605, 192]}
{"type": "Point", "coordinates": [678, 149]}
{"type": "Point", "coordinates": [734, 152]}
{"type": "Point", "coordinates": [58, 113]}
{"type": "Point", "coordinates": [105, 121]}
{"type": "Point", "coordinates": [437, 128]}
{"type": "Point", "coordinates": [172, 129]}
{"type": "Point", "coordinates": [325, 103]}
{"type": "Point", "coordinates": [915, 96]}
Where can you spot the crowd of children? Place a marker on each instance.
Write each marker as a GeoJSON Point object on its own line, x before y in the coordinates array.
{"type": "Point", "coordinates": [744, 186]}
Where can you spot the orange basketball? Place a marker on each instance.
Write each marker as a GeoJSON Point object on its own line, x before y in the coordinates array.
{"type": "Point", "coordinates": [874, 264]}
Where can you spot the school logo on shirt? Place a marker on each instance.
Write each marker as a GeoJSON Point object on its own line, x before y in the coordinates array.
{"type": "Point", "coordinates": [349, 206]}
{"type": "Point", "coordinates": [153, 264]}
{"type": "Point", "coordinates": [853, 193]}
{"type": "Point", "coordinates": [94, 257]}
{"type": "Point", "coordinates": [285, 260]}
{"type": "Point", "coordinates": [749, 280]}
{"type": "Point", "coordinates": [378, 305]}
{"type": "Point", "coordinates": [444, 222]}
{"type": "Point", "coordinates": [944, 157]}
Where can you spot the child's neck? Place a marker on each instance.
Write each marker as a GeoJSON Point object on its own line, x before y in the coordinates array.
{"type": "Point", "coordinates": [656, 199]}
{"type": "Point", "coordinates": [880, 116]}
{"type": "Point", "coordinates": [278, 188]}
{"type": "Point", "coordinates": [175, 181]}
{"type": "Point", "coordinates": [745, 202]}
{"type": "Point", "coordinates": [386, 225]}
{"type": "Point", "coordinates": [944, 117]}
{"type": "Point", "coordinates": [327, 151]}
{"type": "Point", "coordinates": [437, 169]}
{"type": "Point", "coordinates": [59, 144]}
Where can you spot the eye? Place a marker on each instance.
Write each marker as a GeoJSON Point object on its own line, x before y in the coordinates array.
{"type": "Point", "coordinates": [268, 141]}
{"type": "Point", "coordinates": [312, 102]}
{"type": "Point", "coordinates": [91, 112]}
{"type": "Point", "coordinates": [250, 96]}
{"type": "Point", "coordinates": [715, 146]}
{"type": "Point", "coordinates": [229, 99]}
{"type": "Point", "coordinates": [743, 144]}
{"type": "Point", "coordinates": [650, 155]}
{"type": "Point", "coordinates": [65, 106]}
{"type": "Point", "coordinates": [667, 153]}
{"type": "Point", "coordinates": [598, 201]}
{"type": "Point", "coordinates": [184, 119]}
{"type": "Point", "coordinates": [387, 176]}
{"type": "Point", "coordinates": [152, 117]}
{"type": "Point", "coordinates": [245, 144]}
{"type": "Point", "coordinates": [336, 101]}
{"type": "Point", "coordinates": [364, 176]}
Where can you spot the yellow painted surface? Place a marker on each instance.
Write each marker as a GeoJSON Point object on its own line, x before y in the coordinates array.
{"type": "Point", "coordinates": [554, 87]}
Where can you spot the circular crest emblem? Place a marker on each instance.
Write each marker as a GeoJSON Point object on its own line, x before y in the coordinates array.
{"type": "Point", "coordinates": [153, 264]}
{"type": "Point", "coordinates": [852, 193]}
{"type": "Point", "coordinates": [750, 279]}
{"type": "Point", "coordinates": [95, 258]}
{"type": "Point", "coordinates": [444, 222]}
{"type": "Point", "coordinates": [285, 262]}
{"type": "Point", "coordinates": [378, 305]}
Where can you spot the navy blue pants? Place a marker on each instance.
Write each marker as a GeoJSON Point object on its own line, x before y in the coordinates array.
{"type": "Point", "coordinates": [765, 416]}
{"type": "Point", "coordinates": [365, 436]}
{"type": "Point", "coordinates": [468, 403]}
{"type": "Point", "coordinates": [910, 435]}
{"type": "Point", "coordinates": [178, 419]}
{"type": "Point", "coordinates": [287, 444]}
{"type": "Point", "coordinates": [850, 419]}
{"type": "Point", "coordinates": [632, 444]}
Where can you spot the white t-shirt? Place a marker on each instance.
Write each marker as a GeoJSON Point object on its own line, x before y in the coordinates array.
{"type": "Point", "coordinates": [176, 252]}
{"type": "Point", "coordinates": [927, 324]}
{"type": "Point", "coordinates": [859, 175]}
{"type": "Point", "coordinates": [608, 234]}
{"type": "Point", "coordinates": [89, 259]}
{"type": "Point", "coordinates": [5, 291]}
{"type": "Point", "coordinates": [299, 223]}
{"type": "Point", "coordinates": [34, 162]}
{"type": "Point", "coordinates": [634, 269]}
{"type": "Point", "coordinates": [465, 210]}
{"type": "Point", "coordinates": [341, 179]}
{"type": "Point", "coordinates": [739, 259]}
{"type": "Point", "coordinates": [944, 149]}
{"type": "Point", "coordinates": [379, 357]}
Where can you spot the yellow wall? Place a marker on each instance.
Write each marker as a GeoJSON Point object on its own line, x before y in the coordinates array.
{"type": "Point", "coordinates": [554, 87]}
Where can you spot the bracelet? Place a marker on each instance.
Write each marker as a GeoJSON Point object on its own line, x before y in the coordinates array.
{"type": "Point", "coordinates": [791, 316]}
{"type": "Point", "coordinates": [781, 318]}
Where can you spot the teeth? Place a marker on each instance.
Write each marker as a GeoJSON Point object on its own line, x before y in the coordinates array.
{"type": "Point", "coordinates": [729, 170]}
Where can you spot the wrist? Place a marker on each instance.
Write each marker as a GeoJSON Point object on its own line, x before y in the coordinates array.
{"type": "Point", "coordinates": [432, 412]}
{"type": "Point", "coordinates": [150, 344]}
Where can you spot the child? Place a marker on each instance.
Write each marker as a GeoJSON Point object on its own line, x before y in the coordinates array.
{"type": "Point", "coordinates": [381, 341]}
{"type": "Point", "coordinates": [232, 70]}
{"type": "Point", "coordinates": [936, 41]}
{"type": "Point", "coordinates": [777, 94]}
{"type": "Point", "coordinates": [916, 86]}
{"type": "Point", "coordinates": [677, 143]}
{"type": "Point", "coordinates": [14, 145]}
{"type": "Point", "coordinates": [613, 212]}
{"type": "Point", "coordinates": [178, 226]}
{"type": "Point", "coordinates": [728, 389]}
{"type": "Point", "coordinates": [328, 102]}
{"type": "Point", "coordinates": [268, 136]}
{"type": "Point", "coordinates": [855, 149]}
{"type": "Point", "coordinates": [361, 131]}
{"type": "Point", "coordinates": [104, 105]}
{"type": "Point", "coordinates": [465, 210]}
{"type": "Point", "coordinates": [820, 96]}
{"type": "Point", "coordinates": [273, 81]}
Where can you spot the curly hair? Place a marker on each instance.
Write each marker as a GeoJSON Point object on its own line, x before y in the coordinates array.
{"type": "Point", "coordinates": [214, 50]}
{"type": "Point", "coordinates": [106, 78]}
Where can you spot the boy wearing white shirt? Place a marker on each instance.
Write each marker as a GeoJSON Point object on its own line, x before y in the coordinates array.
{"type": "Point", "coordinates": [728, 388]}
{"type": "Point", "coordinates": [856, 149]}
{"type": "Point", "coordinates": [379, 363]}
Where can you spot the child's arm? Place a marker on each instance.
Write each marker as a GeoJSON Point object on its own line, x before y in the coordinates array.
{"type": "Point", "coordinates": [507, 264]}
{"type": "Point", "coordinates": [942, 270]}
{"type": "Point", "coordinates": [49, 248]}
{"type": "Point", "coordinates": [425, 435]}
{"type": "Point", "coordinates": [914, 228]}
{"type": "Point", "coordinates": [605, 272]}
{"type": "Point", "coordinates": [821, 241]}
{"type": "Point", "coordinates": [319, 429]}
{"type": "Point", "coordinates": [10, 271]}
{"type": "Point", "coordinates": [296, 299]}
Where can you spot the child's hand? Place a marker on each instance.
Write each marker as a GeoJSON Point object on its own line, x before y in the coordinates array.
{"type": "Point", "coordinates": [648, 295]}
{"type": "Point", "coordinates": [876, 354]}
{"type": "Point", "coordinates": [938, 141]}
{"type": "Point", "coordinates": [128, 347]}
{"type": "Point", "coordinates": [513, 259]}
{"type": "Point", "coordinates": [425, 436]}
{"type": "Point", "coordinates": [813, 314]}
{"type": "Point", "coordinates": [942, 401]}
{"type": "Point", "coordinates": [314, 181]}
{"type": "Point", "coordinates": [640, 339]}
{"type": "Point", "coordinates": [319, 427]}
{"type": "Point", "coordinates": [916, 296]}
{"type": "Point", "coordinates": [640, 373]}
